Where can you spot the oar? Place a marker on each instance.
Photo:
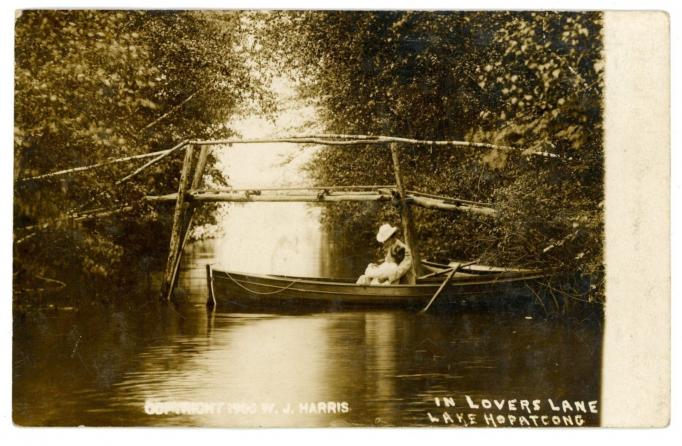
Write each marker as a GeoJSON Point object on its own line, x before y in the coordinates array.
{"type": "Point", "coordinates": [445, 282]}
{"type": "Point", "coordinates": [434, 274]}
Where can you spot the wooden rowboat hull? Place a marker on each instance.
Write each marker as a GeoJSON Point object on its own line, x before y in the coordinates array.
{"type": "Point", "coordinates": [241, 291]}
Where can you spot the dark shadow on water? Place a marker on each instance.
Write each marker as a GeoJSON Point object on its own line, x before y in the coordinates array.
{"type": "Point", "coordinates": [98, 365]}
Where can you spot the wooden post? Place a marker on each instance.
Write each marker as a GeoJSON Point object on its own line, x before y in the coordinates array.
{"type": "Point", "coordinates": [201, 166]}
{"type": "Point", "coordinates": [178, 226]}
{"type": "Point", "coordinates": [210, 302]}
{"type": "Point", "coordinates": [187, 221]}
{"type": "Point", "coordinates": [409, 231]}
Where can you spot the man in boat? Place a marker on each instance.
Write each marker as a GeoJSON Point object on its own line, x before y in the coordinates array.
{"type": "Point", "coordinates": [396, 264]}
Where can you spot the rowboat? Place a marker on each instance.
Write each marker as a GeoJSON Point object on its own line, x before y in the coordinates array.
{"type": "Point", "coordinates": [475, 285]}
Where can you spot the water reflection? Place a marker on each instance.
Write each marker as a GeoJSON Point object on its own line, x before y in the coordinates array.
{"type": "Point", "coordinates": [388, 366]}
{"type": "Point", "coordinates": [98, 365]}
{"type": "Point", "coordinates": [101, 365]}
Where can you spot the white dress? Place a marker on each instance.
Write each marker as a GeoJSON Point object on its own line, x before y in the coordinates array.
{"type": "Point", "coordinates": [379, 274]}
{"type": "Point", "coordinates": [388, 272]}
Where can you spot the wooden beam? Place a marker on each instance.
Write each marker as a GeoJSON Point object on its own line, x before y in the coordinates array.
{"type": "Point", "coordinates": [433, 203]}
{"type": "Point", "coordinates": [347, 140]}
{"type": "Point", "coordinates": [201, 167]}
{"type": "Point", "coordinates": [304, 188]}
{"type": "Point", "coordinates": [161, 156]}
{"type": "Point", "coordinates": [409, 231]}
{"type": "Point", "coordinates": [245, 196]}
{"type": "Point", "coordinates": [210, 302]}
{"type": "Point", "coordinates": [178, 226]}
{"type": "Point", "coordinates": [329, 140]}
{"type": "Point", "coordinates": [451, 200]}
{"type": "Point", "coordinates": [196, 183]}
{"type": "Point", "coordinates": [94, 166]}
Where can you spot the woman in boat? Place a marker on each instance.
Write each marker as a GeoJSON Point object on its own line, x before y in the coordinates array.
{"type": "Point", "coordinates": [396, 264]}
{"type": "Point", "coordinates": [378, 274]}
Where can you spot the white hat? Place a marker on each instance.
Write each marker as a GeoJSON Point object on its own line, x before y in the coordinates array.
{"type": "Point", "coordinates": [385, 232]}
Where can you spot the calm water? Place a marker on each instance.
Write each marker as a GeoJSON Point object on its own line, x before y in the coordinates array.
{"type": "Point", "coordinates": [99, 365]}
{"type": "Point", "coordinates": [103, 365]}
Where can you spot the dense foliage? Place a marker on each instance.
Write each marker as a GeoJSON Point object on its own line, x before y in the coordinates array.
{"type": "Point", "coordinates": [527, 79]}
{"type": "Point", "coordinates": [95, 85]}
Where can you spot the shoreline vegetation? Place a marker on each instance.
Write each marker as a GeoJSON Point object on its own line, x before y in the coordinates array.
{"type": "Point", "coordinates": [91, 86]}
{"type": "Point", "coordinates": [95, 85]}
{"type": "Point", "coordinates": [531, 80]}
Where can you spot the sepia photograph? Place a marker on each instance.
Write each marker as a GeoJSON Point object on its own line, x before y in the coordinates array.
{"type": "Point", "coordinates": [270, 218]}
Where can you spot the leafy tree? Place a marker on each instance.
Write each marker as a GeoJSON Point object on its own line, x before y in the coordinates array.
{"type": "Point", "coordinates": [96, 85]}
{"type": "Point", "coordinates": [527, 79]}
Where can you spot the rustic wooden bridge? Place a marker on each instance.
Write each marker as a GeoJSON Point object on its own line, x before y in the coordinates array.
{"type": "Point", "coordinates": [190, 193]}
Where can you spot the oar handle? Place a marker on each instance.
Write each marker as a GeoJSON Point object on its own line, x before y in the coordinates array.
{"type": "Point", "coordinates": [445, 282]}
{"type": "Point", "coordinates": [442, 286]}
